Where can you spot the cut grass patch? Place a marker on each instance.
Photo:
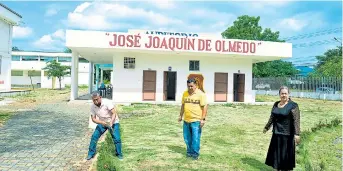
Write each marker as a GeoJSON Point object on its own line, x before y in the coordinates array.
{"type": "Point", "coordinates": [321, 148]}
{"type": "Point", "coordinates": [4, 116]}
{"type": "Point", "coordinates": [232, 137]}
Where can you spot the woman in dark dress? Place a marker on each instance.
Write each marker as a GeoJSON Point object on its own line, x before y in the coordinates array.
{"type": "Point", "coordinates": [285, 117]}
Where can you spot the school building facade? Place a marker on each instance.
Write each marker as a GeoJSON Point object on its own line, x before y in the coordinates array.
{"type": "Point", "coordinates": [153, 66]}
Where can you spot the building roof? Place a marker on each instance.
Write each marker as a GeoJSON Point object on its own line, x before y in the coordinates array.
{"type": "Point", "coordinates": [11, 10]}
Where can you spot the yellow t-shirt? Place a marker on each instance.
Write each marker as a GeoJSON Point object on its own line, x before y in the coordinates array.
{"type": "Point", "coordinates": [192, 105]}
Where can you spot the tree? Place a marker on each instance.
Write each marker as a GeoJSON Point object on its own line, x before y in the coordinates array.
{"type": "Point", "coordinates": [248, 28]}
{"type": "Point", "coordinates": [55, 69]}
{"type": "Point", "coordinates": [15, 48]}
{"type": "Point", "coordinates": [67, 50]}
{"type": "Point", "coordinates": [30, 74]}
{"type": "Point", "coordinates": [329, 64]}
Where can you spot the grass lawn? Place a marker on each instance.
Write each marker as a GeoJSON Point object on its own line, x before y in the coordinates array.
{"type": "Point", "coordinates": [232, 138]}
{"type": "Point", "coordinates": [322, 149]}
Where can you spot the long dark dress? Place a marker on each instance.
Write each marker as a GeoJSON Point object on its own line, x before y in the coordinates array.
{"type": "Point", "coordinates": [286, 124]}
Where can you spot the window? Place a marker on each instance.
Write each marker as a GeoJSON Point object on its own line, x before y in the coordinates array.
{"type": "Point", "coordinates": [47, 59]}
{"type": "Point", "coordinates": [34, 73]}
{"type": "Point", "coordinates": [83, 60]}
{"type": "Point", "coordinates": [129, 63]}
{"type": "Point", "coordinates": [15, 58]}
{"type": "Point", "coordinates": [194, 65]}
{"type": "Point", "coordinates": [17, 73]}
{"type": "Point", "coordinates": [29, 58]}
{"type": "Point", "coordinates": [64, 59]}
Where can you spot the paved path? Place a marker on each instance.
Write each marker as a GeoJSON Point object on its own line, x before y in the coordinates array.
{"type": "Point", "coordinates": [49, 137]}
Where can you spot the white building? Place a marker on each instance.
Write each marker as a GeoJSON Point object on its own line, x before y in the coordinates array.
{"type": "Point", "coordinates": [8, 19]}
{"type": "Point", "coordinates": [34, 62]}
{"type": "Point", "coordinates": [153, 66]}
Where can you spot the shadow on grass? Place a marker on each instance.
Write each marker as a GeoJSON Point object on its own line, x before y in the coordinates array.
{"type": "Point", "coordinates": [177, 149]}
{"type": "Point", "coordinates": [256, 164]}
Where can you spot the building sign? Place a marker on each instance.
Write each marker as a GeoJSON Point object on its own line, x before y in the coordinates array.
{"type": "Point", "coordinates": [172, 33]}
{"type": "Point", "coordinates": [175, 43]}
{"type": "Point", "coordinates": [2, 82]}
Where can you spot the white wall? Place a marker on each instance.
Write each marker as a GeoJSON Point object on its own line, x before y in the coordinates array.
{"type": "Point", "coordinates": [5, 53]}
{"type": "Point", "coordinates": [128, 83]}
{"type": "Point", "coordinates": [45, 81]}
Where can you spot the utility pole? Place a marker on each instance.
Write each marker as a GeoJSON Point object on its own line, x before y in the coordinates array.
{"type": "Point", "coordinates": [338, 40]}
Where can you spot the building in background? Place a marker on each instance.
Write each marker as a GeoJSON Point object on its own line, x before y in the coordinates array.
{"type": "Point", "coordinates": [24, 63]}
{"type": "Point", "coordinates": [8, 19]}
{"type": "Point", "coordinates": [304, 70]}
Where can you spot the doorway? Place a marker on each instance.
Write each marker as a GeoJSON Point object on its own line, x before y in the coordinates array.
{"type": "Point", "coordinates": [169, 85]}
{"type": "Point", "coordinates": [149, 85]}
{"type": "Point", "coordinates": [220, 87]}
{"type": "Point", "coordinates": [238, 87]}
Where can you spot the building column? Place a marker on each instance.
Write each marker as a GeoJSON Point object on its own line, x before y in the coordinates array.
{"type": "Point", "coordinates": [96, 76]}
{"type": "Point", "coordinates": [102, 75]}
{"type": "Point", "coordinates": [42, 78]}
{"type": "Point", "coordinates": [90, 77]}
{"type": "Point", "coordinates": [74, 76]}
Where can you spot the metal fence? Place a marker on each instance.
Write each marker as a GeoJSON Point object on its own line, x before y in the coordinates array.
{"type": "Point", "coordinates": [329, 85]}
{"type": "Point", "coordinates": [329, 88]}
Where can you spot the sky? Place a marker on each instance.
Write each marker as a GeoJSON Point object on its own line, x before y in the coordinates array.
{"type": "Point", "coordinates": [309, 25]}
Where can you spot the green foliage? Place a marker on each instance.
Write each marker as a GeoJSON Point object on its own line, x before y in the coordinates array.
{"type": "Point", "coordinates": [329, 64]}
{"type": "Point", "coordinates": [307, 137]}
{"type": "Point", "coordinates": [274, 69]}
{"type": "Point", "coordinates": [248, 28]}
{"type": "Point", "coordinates": [55, 69]}
{"type": "Point", "coordinates": [67, 50]}
{"type": "Point", "coordinates": [107, 161]}
{"type": "Point", "coordinates": [15, 48]}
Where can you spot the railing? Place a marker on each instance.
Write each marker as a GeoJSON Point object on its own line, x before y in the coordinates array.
{"type": "Point", "coordinates": [329, 88]}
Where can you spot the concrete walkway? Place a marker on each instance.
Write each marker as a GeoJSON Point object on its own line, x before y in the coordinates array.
{"type": "Point", "coordinates": [47, 137]}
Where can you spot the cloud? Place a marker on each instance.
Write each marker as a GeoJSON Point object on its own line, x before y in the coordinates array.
{"type": "Point", "coordinates": [53, 9]}
{"type": "Point", "coordinates": [163, 4]}
{"type": "Point", "coordinates": [21, 32]}
{"type": "Point", "coordinates": [104, 16]}
{"type": "Point", "coordinates": [123, 16]}
{"type": "Point", "coordinates": [51, 12]}
{"type": "Point", "coordinates": [53, 41]}
{"type": "Point", "coordinates": [295, 24]}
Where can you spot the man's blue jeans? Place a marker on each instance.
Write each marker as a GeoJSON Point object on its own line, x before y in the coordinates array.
{"type": "Point", "coordinates": [191, 135]}
{"type": "Point", "coordinates": [99, 130]}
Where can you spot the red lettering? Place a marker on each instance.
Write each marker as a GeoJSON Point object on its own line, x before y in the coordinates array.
{"type": "Point", "coordinates": [2, 82]}
{"type": "Point", "coordinates": [156, 42]}
{"type": "Point", "coordinates": [208, 45]}
{"type": "Point", "coordinates": [190, 44]}
{"type": "Point", "coordinates": [201, 45]}
{"type": "Point", "coordinates": [252, 47]}
{"type": "Point", "coordinates": [121, 40]}
{"type": "Point", "coordinates": [239, 47]}
{"type": "Point", "coordinates": [129, 41]}
{"type": "Point", "coordinates": [171, 43]}
{"type": "Point", "coordinates": [114, 43]}
{"type": "Point", "coordinates": [232, 46]}
{"type": "Point", "coordinates": [137, 38]}
{"type": "Point", "coordinates": [179, 43]}
{"type": "Point", "coordinates": [164, 44]}
{"type": "Point", "coordinates": [149, 44]}
{"type": "Point", "coordinates": [245, 47]}
{"type": "Point", "coordinates": [223, 45]}
{"type": "Point", "coordinates": [218, 46]}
